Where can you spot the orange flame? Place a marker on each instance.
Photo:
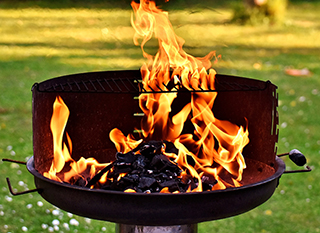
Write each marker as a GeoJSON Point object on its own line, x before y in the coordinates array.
{"type": "Point", "coordinates": [215, 146]}
{"type": "Point", "coordinates": [84, 168]}
{"type": "Point", "coordinates": [214, 141]}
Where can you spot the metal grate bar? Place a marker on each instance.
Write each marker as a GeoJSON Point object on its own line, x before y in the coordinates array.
{"type": "Point", "coordinates": [108, 85]}
{"type": "Point", "coordinates": [102, 87]}
{"type": "Point", "coordinates": [134, 85]}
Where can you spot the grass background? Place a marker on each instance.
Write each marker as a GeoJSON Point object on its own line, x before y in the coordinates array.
{"type": "Point", "coordinates": [40, 40]}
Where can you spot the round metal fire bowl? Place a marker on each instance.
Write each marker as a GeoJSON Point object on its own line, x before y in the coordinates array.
{"type": "Point", "coordinates": [156, 209]}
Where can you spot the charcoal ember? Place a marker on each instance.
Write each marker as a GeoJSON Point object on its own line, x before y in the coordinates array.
{"type": "Point", "coordinates": [146, 182]}
{"type": "Point", "coordinates": [119, 170]}
{"type": "Point", "coordinates": [172, 173]}
{"type": "Point", "coordinates": [121, 185]}
{"type": "Point", "coordinates": [132, 178]}
{"type": "Point", "coordinates": [161, 177]}
{"type": "Point", "coordinates": [140, 163]}
{"type": "Point", "coordinates": [161, 163]}
{"type": "Point", "coordinates": [170, 184]}
{"type": "Point", "coordinates": [79, 181]}
{"type": "Point", "coordinates": [149, 148]}
{"type": "Point", "coordinates": [125, 159]}
{"type": "Point", "coordinates": [146, 169]}
{"type": "Point", "coordinates": [208, 183]}
{"type": "Point", "coordinates": [170, 148]}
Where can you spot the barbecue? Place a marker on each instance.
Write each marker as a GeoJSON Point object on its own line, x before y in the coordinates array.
{"type": "Point", "coordinates": [150, 179]}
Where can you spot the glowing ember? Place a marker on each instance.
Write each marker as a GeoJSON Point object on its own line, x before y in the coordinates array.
{"type": "Point", "coordinates": [212, 149]}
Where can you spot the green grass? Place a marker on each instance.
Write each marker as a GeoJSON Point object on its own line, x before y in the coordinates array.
{"type": "Point", "coordinates": [38, 43]}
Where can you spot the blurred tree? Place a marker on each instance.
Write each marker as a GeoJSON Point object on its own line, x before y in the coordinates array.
{"type": "Point", "coordinates": [260, 11]}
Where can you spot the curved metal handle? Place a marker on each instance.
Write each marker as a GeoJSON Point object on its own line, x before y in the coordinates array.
{"type": "Point", "coordinates": [308, 169]}
{"type": "Point", "coordinates": [9, 183]}
{"type": "Point", "coordinates": [20, 193]}
{"type": "Point", "coordinates": [298, 158]}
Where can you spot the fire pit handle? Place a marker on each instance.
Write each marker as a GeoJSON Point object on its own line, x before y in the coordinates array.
{"type": "Point", "coordinates": [20, 193]}
{"type": "Point", "coordinates": [9, 183]}
{"type": "Point", "coordinates": [298, 158]}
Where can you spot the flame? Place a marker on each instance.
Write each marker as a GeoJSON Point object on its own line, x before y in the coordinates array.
{"type": "Point", "coordinates": [83, 168]}
{"type": "Point", "coordinates": [215, 145]}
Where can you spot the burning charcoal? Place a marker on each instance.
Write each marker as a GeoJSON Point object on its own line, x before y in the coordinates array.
{"type": "Point", "coordinates": [171, 174]}
{"type": "Point", "coordinates": [148, 150]}
{"type": "Point", "coordinates": [170, 148]}
{"type": "Point", "coordinates": [121, 185]}
{"type": "Point", "coordinates": [146, 182]}
{"type": "Point", "coordinates": [145, 169]}
{"type": "Point", "coordinates": [127, 158]}
{"type": "Point", "coordinates": [133, 177]}
{"type": "Point", "coordinates": [120, 170]}
{"type": "Point", "coordinates": [139, 163]}
{"type": "Point", "coordinates": [159, 162]}
{"type": "Point", "coordinates": [168, 183]}
{"type": "Point", "coordinates": [152, 148]}
{"type": "Point", "coordinates": [79, 181]}
{"type": "Point", "coordinates": [208, 183]}
{"type": "Point", "coordinates": [161, 176]}
{"type": "Point", "coordinates": [97, 177]}
{"type": "Point", "coordinates": [173, 185]}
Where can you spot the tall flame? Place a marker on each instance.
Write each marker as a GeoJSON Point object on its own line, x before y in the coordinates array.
{"type": "Point", "coordinates": [84, 168]}
{"type": "Point", "coordinates": [215, 146]}
{"type": "Point", "coordinates": [214, 142]}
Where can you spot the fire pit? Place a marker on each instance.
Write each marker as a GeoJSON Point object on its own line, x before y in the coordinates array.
{"type": "Point", "coordinates": [88, 94]}
{"type": "Point", "coordinates": [175, 101]}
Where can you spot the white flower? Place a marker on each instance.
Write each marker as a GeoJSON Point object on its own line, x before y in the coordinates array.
{"type": "Point", "coordinates": [70, 215]}
{"type": "Point", "coordinates": [44, 226]}
{"type": "Point", "coordinates": [24, 228]}
{"type": "Point", "coordinates": [302, 98]}
{"type": "Point", "coordinates": [21, 183]}
{"type": "Point", "coordinates": [284, 125]}
{"type": "Point", "coordinates": [74, 222]}
{"type": "Point", "coordinates": [9, 199]}
{"type": "Point", "coordinates": [66, 226]}
{"type": "Point", "coordinates": [29, 206]}
{"type": "Point", "coordinates": [55, 212]}
{"type": "Point", "coordinates": [40, 203]}
{"type": "Point", "coordinates": [55, 222]}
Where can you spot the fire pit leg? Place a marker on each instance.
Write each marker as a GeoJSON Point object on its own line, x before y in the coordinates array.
{"type": "Point", "coordinates": [123, 228]}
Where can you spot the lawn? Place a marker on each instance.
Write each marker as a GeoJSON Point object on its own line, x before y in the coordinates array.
{"type": "Point", "coordinates": [39, 42]}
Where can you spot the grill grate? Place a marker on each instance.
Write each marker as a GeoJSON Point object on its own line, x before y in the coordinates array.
{"type": "Point", "coordinates": [134, 85]}
{"type": "Point", "coordinates": [113, 85]}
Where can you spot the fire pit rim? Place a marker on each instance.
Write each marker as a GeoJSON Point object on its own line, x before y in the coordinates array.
{"type": "Point", "coordinates": [279, 170]}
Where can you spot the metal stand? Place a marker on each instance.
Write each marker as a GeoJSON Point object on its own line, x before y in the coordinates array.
{"type": "Point", "coordinates": [123, 228]}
